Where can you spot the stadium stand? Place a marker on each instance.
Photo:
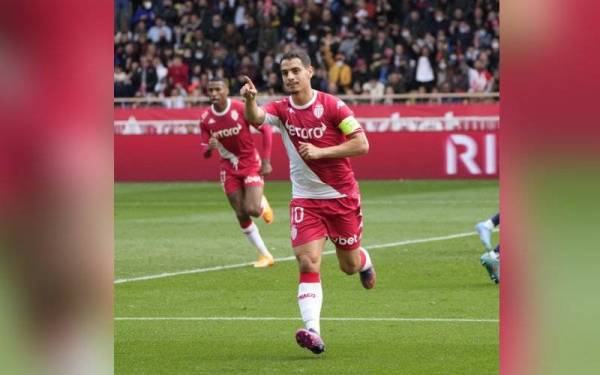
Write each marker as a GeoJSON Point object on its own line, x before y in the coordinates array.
{"type": "Point", "coordinates": [170, 49]}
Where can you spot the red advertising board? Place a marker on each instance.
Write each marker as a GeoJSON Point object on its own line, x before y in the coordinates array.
{"type": "Point", "coordinates": [431, 149]}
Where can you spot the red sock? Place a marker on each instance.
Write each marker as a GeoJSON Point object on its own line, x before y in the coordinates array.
{"type": "Point", "coordinates": [310, 277]}
{"type": "Point", "coordinates": [245, 224]}
{"type": "Point", "coordinates": [363, 258]}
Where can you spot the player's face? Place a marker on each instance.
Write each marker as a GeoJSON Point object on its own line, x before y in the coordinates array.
{"type": "Point", "coordinates": [296, 77]}
{"type": "Point", "coordinates": [217, 91]}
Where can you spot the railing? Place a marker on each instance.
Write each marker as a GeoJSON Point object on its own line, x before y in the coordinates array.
{"type": "Point", "coordinates": [412, 98]}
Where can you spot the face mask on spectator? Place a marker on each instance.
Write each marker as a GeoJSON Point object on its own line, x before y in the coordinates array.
{"type": "Point", "coordinates": [406, 34]}
{"type": "Point", "coordinates": [147, 4]}
{"type": "Point", "coordinates": [199, 55]}
{"type": "Point", "coordinates": [495, 45]}
{"type": "Point", "coordinates": [345, 20]}
{"type": "Point", "coordinates": [312, 38]}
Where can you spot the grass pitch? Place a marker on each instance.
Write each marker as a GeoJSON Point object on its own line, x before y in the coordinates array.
{"type": "Point", "coordinates": [433, 311]}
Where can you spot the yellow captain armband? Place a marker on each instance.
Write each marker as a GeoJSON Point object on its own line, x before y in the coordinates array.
{"type": "Point", "coordinates": [349, 125]}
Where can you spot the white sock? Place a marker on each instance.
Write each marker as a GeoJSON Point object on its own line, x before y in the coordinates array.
{"type": "Point", "coordinates": [489, 224]}
{"type": "Point", "coordinates": [262, 205]}
{"type": "Point", "coordinates": [368, 263]}
{"type": "Point", "coordinates": [310, 300]}
{"type": "Point", "coordinates": [253, 235]}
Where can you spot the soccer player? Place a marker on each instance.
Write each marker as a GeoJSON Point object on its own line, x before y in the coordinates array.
{"type": "Point", "coordinates": [319, 133]}
{"type": "Point", "coordinates": [223, 127]}
{"type": "Point", "coordinates": [491, 258]}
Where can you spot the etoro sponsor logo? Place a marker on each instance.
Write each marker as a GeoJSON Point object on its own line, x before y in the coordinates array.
{"type": "Point", "coordinates": [307, 295]}
{"type": "Point", "coordinates": [345, 240]}
{"type": "Point", "coordinates": [227, 132]}
{"type": "Point", "coordinates": [305, 133]}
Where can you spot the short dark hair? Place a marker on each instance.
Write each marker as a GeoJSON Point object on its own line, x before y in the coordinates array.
{"type": "Point", "coordinates": [297, 54]}
{"type": "Point", "coordinates": [216, 79]}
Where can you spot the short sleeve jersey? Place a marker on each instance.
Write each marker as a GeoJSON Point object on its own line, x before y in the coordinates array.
{"type": "Point", "coordinates": [230, 128]}
{"type": "Point", "coordinates": [324, 121]}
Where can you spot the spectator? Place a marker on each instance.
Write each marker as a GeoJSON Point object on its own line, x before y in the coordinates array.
{"type": "Point", "coordinates": [399, 60]}
{"type": "Point", "coordinates": [160, 32]}
{"type": "Point", "coordinates": [360, 75]}
{"type": "Point", "coordinates": [396, 83]}
{"type": "Point", "coordinates": [382, 42]}
{"type": "Point", "coordinates": [214, 31]}
{"type": "Point", "coordinates": [340, 73]}
{"type": "Point", "coordinates": [168, 13]}
{"type": "Point", "coordinates": [122, 84]}
{"type": "Point", "coordinates": [373, 88]}
{"type": "Point", "coordinates": [178, 72]}
{"type": "Point", "coordinates": [319, 80]}
{"type": "Point", "coordinates": [268, 37]}
{"type": "Point", "coordinates": [438, 23]}
{"type": "Point", "coordinates": [176, 98]}
{"type": "Point", "coordinates": [366, 45]}
{"type": "Point", "coordinates": [305, 26]}
{"type": "Point", "coordinates": [349, 44]}
{"type": "Point", "coordinates": [144, 12]}
{"type": "Point", "coordinates": [425, 76]}
{"type": "Point", "coordinates": [231, 37]}
{"type": "Point", "coordinates": [144, 78]}
{"type": "Point", "coordinates": [250, 32]}
{"type": "Point", "coordinates": [442, 75]}
{"type": "Point", "coordinates": [415, 24]}
{"type": "Point", "coordinates": [480, 79]}
{"type": "Point", "coordinates": [458, 77]}
{"type": "Point", "coordinates": [273, 85]}
{"type": "Point", "coordinates": [247, 68]}
{"type": "Point", "coordinates": [268, 67]}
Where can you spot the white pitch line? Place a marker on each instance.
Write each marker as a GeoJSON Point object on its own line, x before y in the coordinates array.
{"type": "Point", "coordinates": [285, 259]}
{"type": "Point", "coordinates": [271, 318]}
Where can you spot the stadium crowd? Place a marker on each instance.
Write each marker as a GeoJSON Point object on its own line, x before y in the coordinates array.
{"type": "Point", "coordinates": [171, 48]}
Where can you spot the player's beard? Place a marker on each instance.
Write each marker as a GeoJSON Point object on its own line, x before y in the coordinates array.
{"type": "Point", "coordinates": [293, 91]}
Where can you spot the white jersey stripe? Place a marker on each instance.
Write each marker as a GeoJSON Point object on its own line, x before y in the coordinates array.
{"type": "Point", "coordinates": [305, 182]}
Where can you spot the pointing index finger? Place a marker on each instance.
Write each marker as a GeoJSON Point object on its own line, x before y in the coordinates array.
{"type": "Point", "coordinates": [248, 81]}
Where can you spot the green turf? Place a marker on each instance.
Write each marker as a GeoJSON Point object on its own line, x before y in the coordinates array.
{"type": "Point", "coordinates": [174, 227]}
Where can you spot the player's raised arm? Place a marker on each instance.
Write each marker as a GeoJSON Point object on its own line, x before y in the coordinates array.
{"type": "Point", "coordinates": [252, 111]}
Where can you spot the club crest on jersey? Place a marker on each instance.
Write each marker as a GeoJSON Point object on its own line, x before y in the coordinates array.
{"type": "Point", "coordinates": [211, 121]}
{"type": "Point", "coordinates": [318, 111]}
{"type": "Point", "coordinates": [234, 115]}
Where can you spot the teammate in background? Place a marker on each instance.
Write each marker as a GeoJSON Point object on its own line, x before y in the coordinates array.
{"type": "Point", "coordinates": [319, 133]}
{"type": "Point", "coordinates": [491, 258]}
{"type": "Point", "coordinates": [223, 127]}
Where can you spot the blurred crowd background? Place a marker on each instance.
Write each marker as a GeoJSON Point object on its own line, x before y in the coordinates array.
{"type": "Point", "coordinates": [171, 48]}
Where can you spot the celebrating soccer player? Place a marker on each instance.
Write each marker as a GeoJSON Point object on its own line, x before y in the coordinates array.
{"type": "Point", "coordinates": [224, 128]}
{"type": "Point", "coordinates": [319, 133]}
